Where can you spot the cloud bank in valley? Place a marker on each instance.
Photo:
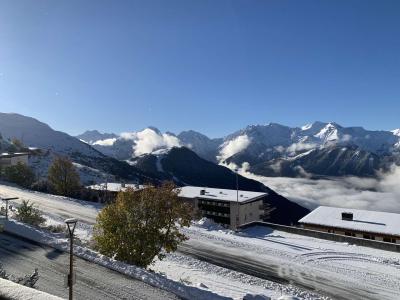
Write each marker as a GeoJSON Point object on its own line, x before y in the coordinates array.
{"type": "Point", "coordinates": [380, 194]}
{"type": "Point", "coordinates": [234, 146]}
{"type": "Point", "coordinates": [149, 140]}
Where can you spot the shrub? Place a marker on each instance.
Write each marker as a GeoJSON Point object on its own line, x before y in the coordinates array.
{"type": "Point", "coordinates": [27, 213]}
{"type": "Point", "coordinates": [27, 280]}
{"type": "Point", "coordinates": [20, 174]}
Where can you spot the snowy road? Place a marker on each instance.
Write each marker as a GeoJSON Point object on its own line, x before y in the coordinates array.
{"type": "Point", "coordinates": [339, 270]}
{"type": "Point", "coordinates": [20, 257]}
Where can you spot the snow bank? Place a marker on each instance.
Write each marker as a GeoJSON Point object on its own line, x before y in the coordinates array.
{"type": "Point", "coordinates": [14, 291]}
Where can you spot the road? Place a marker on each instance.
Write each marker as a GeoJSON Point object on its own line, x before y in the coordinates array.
{"type": "Point", "coordinates": [272, 271]}
{"type": "Point", "coordinates": [344, 276]}
{"type": "Point", "coordinates": [21, 257]}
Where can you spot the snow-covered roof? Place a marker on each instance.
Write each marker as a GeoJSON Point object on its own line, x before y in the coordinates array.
{"type": "Point", "coordinates": [114, 186]}
{"type": "Point", "coordinates": [219, 194]}
{"type": "Point", "coordinates": [363, 220]}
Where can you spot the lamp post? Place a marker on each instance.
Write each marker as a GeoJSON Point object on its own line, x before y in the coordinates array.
{"type": "Point", "coordinates": [71, 223]}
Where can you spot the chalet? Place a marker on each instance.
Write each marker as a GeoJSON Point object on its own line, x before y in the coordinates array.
{"type": "Point", "coordinates": [224, 206]}
{"type": "Point", "coordinates": [12, 159]}
{"type": "Point", "coordinates": [373, 225]}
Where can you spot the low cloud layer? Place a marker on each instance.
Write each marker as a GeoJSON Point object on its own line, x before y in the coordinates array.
{"type": "Point", "coordinates": [380, 194]}
{"type": "Point", "coordinates": [149, 140]}
{"type": "Point", "coordinates": [234, 146]}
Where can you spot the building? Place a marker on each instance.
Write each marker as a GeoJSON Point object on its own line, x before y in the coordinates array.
{"type": "Point", "coordinates": [224, 206]}
{"type": "Point", "coordinates": [11, 159]}
{"type": "Point", "coordinates": [108, 191]}
{"type": "Point", "coordinates": [373, 225]}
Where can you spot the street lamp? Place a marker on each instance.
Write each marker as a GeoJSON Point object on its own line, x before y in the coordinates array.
{"type": "Point", "coordinates": [71, 223]}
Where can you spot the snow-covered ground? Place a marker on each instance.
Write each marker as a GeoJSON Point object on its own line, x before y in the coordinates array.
{"type": "Point", "coordinates": [304, 259]}
{"type": "Point", "coordinates": [327, 266]}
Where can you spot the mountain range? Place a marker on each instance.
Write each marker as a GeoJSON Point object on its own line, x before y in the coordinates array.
{"type": "Point", "coordinates": [313, 150]}
{"type": "Point", "coordinates": [155, 157]}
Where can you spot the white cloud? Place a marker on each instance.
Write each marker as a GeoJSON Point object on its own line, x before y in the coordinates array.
{"type": "Point", "coordinates": [234, 146]}
{"type": "Point", "coordinates": [380, 194]}
{"type": "Point", "coordinates": [106, 142]}
{"type": "Point", "coordinates": [297, 147]}
{"type": "Point", "coordinates": [346, 138]}
{"type": "Point", "coordinates": [148, 140]}
{"type": "Point", "coordinates": [245, 166]}
{"type": "Point", "coordinates": [279, 148]}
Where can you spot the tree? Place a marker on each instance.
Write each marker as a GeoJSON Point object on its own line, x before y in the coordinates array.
{"type": "Point", "coordinates": [17, 143]}
{"type": "Point", "coordinates": [20, 174]}
{"type": "Point", "coordinates": [141, 225]}
{"type": "Point", "coordinates": [63, 177]}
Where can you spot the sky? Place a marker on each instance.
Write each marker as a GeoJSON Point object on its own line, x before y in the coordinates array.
{"type": "Point", "coordinates": [212, 66]}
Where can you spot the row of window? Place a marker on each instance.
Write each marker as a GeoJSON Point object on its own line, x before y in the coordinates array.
{"type": "Point", "coordinates": [371, 237]}
{"type": "Point", "coordinates": [213, 203]}
{"type": "Point", "coordinates": [214, 213]}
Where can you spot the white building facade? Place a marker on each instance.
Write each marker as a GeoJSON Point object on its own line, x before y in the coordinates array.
{"type": "Point", "coordinates": [230, 208]}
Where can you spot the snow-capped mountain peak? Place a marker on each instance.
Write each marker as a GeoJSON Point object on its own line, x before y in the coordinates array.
{"type": "Point", "coordinates": [329, 133]}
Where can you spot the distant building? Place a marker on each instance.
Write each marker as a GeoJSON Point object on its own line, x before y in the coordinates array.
{"type": "Point", "coordinates": [223, 206]}
{"type": "Point", "coordinates": [109, 191]}
{"type": "Point", "coordinates": [373, 225]}
{"type": "Point", "coordinates": [11, 159]}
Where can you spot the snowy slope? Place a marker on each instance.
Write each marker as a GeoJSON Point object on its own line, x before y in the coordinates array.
{"type": "Point", "coordinates": [34, 133]}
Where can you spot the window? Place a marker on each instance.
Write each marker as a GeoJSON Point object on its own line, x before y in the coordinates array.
{"type": "Point", "coordinates": [389, 240]}
{"type": "Point", "coordinates": [368, 237]}
{"type": "Point", "coordinates": [350, 234]}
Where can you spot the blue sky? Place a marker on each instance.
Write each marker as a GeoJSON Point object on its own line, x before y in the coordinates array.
{"type": "Point", "coordinates": [211, 66]}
